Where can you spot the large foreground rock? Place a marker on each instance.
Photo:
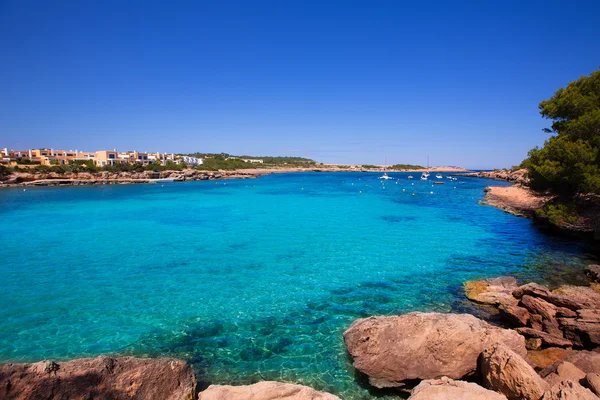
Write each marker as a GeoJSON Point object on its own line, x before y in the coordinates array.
{"type": "Point", "coordinates": [506, 372]}
{"type": "Point", "coordinates": [446, 388]}
{"type": "Point", "coordinates": [264, 391]}
{"type": "Point", "coordinates": [102, 378]}
{"type": "Point", "coordinates": [391, 350]}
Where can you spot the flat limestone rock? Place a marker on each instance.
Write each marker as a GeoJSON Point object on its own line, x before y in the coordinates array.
{"type": "Point", "coordinates": [102, 377]}
{"type": "Point", "coordinates": [264, 391]}
{"type": "Point", "coordinates": [391, 350]}
{"type": "Point", "coordinates": [493, 291]}
{"type": "Point", "coordinates": [569, 390]}
{"type": "Point", "coordinates": [504, 371]}
{"type": "Point", "coordinates": [446, 388]}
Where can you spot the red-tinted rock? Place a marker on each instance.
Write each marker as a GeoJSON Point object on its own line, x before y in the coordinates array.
{"type": "Point", "coordinates": [102, 377]}
{"type": "Point", "coordinates": [515, 315]}
{"type": "Point", "coordinates": [391, 350]}
{"type": "Point", "coordinates": [548, 339]}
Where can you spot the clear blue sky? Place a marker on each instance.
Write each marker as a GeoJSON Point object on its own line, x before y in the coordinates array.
{"type": "Point", "coordinates": [338, 81]}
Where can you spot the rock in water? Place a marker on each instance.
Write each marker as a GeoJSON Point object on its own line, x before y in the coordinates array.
{"type": "Point", "coordinates": [264, 391]}
{"type": "Point", "coordinates": [102, 377]}
{"type": "Point", "coordinates": [506, 372]}
{"type": "Point", "coordinates": [446, 388]}
{"type": "Point", "coordinates": [391, 350]}
{"type": "Point", "coordinates": [494, 291]}
{"type": "Point", "coordinates": [569, 390]}
{"type": "Point", "coordinates": [593, 272]}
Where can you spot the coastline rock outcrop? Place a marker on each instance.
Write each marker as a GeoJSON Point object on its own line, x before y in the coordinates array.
{"type": "Point", "coordinates": [264, 391]}
{"type": "Point", "coordinates": [504, 371]}
{"type": "Point", "coordinates": [518, 200]}
{"type": "Point", "coordinates": [517, 176]}
{"type": "Point", "coordinates": [102, 377]}
{"type": "Point", "coordinates": [446, 388]}
{"type": "Point", "coordinates": [565, 317]}
{"type": "Point", "coordinates": [392, 350]}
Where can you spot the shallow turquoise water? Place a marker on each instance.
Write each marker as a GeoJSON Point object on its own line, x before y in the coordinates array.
{"type": "Point", "coordinates": [249, 279]}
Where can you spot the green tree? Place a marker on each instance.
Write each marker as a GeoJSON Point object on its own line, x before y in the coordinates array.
{"type": "Point", "coordinates": [569, 161]}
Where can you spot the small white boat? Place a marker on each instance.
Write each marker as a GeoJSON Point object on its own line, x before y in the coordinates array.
{"type": "Point", "coordinates": [438, 176]}
{"type": "Point", "coordinates": [385, 176]}
{"type": "Point", "coordinates": [425, 175]}
{"type": "Point", "coordinates": [410, 177]}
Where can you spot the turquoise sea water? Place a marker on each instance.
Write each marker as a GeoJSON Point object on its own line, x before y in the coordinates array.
{"type": "Point", "coordinates": [250, 279]}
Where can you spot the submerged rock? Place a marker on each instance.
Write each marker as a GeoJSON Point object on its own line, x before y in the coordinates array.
{"type": "Point", "coordinates": [391, 350]}
{"type": "Point", "coordinates": [446, 388]}
{"type": "Point", "coordinates": [506, 372]}
{"type": "Point", "coordinates": [264, 391]}
{"type": "Point", "coordinates": [494, 291]}
{"type": "Point", "coordinates": [593, 272]}
{"type": "Point", "coordinates": [102, 377]}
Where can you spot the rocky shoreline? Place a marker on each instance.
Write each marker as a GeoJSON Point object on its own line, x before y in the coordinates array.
{"type": "Point", "coordinates": [517, 176]}
{"type": "Point", "coordinates": [21, 178]}
{"type": "Point", "coordinates": [517, 200]}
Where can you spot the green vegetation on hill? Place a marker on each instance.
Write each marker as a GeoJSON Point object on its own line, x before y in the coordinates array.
{"type": "Point", "coordinates": [569, 161]}
{"type": "Point", "coordinates": [406, 166]}
{"type": "Point", "coordinates": [224, 161]}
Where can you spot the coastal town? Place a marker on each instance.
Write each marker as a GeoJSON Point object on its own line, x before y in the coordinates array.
{"type": "Point", "coordinates": [99, 158]}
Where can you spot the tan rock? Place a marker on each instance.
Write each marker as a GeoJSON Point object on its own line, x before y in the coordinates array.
{"type": "Point", "coordinates": [446, 388]}
{"type": "Point", "coordinates": [391, 350]}
{"type": "Point", "coordinates": [102, 377]}
{"type": "Point", "coordinates": [593, 382]}
{"type": "Point", "coordinates": [569, 390]}
{"type": "Point", "coordinates": [565, 371]}
{"type": "Point", "coordinates": [264, 391]}
{"type": "Point", "coordinates": [494, 291]}
{"type": "Point", "coordinates": [504, 371]}
{"type": "Point", "coordinates": [533, 344]}
{"type": "Point", "coordinates": [587, 361]}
